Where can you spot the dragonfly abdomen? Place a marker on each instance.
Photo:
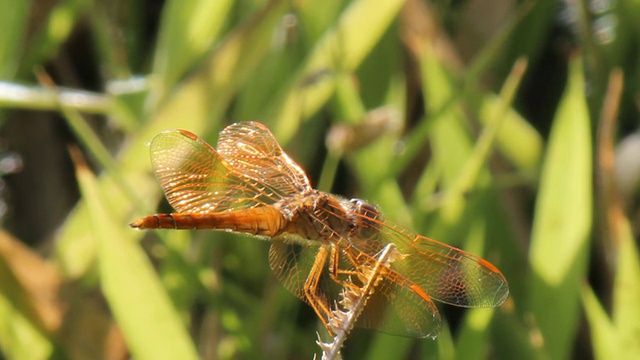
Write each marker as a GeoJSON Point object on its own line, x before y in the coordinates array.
{"type": "Point", "coordinates": [264, 220]}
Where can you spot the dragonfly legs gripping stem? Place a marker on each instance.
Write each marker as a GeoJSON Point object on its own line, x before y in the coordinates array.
{"type": "Point", "coordinates": [356, 284]}
{"type": "Point", "coordinates": [335, 271]}
{"type": "Point", "coordinates": [311, 288]}
{"type": "Point", "coordinates": [319, 305]}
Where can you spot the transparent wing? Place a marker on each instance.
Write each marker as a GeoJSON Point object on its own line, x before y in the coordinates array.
{"type": "Point", "coordinates": [196, 179]}
{"type": "Point", "coordinates": [395, 307]}
{"type": "Point", "coordinates": [251, 149]}
{"type": "Point", "coordinates": [446, 273]}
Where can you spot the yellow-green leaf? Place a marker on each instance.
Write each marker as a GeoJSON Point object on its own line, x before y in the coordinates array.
{"type": "Point", "coordinates": [562, 224]}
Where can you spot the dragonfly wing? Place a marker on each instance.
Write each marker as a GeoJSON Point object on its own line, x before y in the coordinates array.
{"type": "Point", "coordinates": [196, 179]}
{"type": "Point", "coordinates": [292, 263]}
{"type": "Point", "coordinates": [251, 149]}
{"type": "Point", "coordinates": [446, 273]}
{"type": "Point", "coordinates": [396, 306]}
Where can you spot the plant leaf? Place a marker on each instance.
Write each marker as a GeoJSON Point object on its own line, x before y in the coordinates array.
{"type": "Point", "coordinates": [131, 286]}
{"type": "Point", "coordinates": [562, 223]}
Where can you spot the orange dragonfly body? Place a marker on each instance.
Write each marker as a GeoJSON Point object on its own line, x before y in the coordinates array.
{"type": "Point", "coordinates": [319, 242]}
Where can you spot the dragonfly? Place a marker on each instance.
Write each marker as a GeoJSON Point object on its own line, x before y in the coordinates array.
{"type": "Point", "coordinates": [320, 242]}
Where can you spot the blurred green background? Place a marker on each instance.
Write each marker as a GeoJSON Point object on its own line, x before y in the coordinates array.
{"type": "Point", "coordinates": [507, 128]}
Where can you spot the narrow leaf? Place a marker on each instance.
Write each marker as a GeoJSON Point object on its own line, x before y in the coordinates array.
{"type": "Point", "coordinates": [151, 326]}
{"type": "Point", "coordinates": [605, 339]}
{"type": "Point", "coordinates": [626, 309]}
{"type": "Point", "coordinates": [562, 224]}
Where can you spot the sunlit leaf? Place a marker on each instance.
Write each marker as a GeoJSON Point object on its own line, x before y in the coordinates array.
{"type": "Point", "coordinates": [562, 224]}
{"type": "Point", "coordinates": [627, 293]}
{"type": "Point", "coordinates": [131, 286]}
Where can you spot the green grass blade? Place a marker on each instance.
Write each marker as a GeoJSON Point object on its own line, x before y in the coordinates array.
{"type": "Point", "coordinates": [626, 312]}
{"type": "Point", "coordinates": [20, 338]}
{"type": "Point", "coordinates": [131, 286]}
{"type": "Point", "coordinates": [13, 16]}
{"type": "Point", "coordinates": [604, 337]}
{"type": "Point", "coordinates": [562, 224]}
{"type": "Point", "coordinates": [473, 341]}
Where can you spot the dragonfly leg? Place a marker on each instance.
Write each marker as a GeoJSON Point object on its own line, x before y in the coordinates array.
{"type": "Point", "coordinates": [318, 304]}
{"type": "Point", "coordinates": [335, 270]}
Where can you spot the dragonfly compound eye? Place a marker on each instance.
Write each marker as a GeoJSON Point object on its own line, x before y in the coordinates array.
{"type": "Point", "coordinates": [367, 214]}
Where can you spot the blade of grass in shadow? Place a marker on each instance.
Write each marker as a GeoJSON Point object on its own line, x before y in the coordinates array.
{"type": "Point", "coordinates": [197, 106]}
{"type": "Point", "coordinates": [14, 20]}
{"type": "Point", "coordinates": [513, 337]}
{"type": "Point", "coordinates": [151, 326]}
{"type": "Point", "coordinates": [562, 223]}
{"type": "Point", "coordinates": [528, 37]}
{"type": "Point", "coordinates": [473, 339]}
{"type": "Point", "coordinates": [386, 346]}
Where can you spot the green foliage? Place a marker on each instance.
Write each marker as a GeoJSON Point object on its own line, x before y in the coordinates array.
{"type": "Point", "coordinates": [562, 224]}
{"type": "Point", "coordinates": [468, 149]}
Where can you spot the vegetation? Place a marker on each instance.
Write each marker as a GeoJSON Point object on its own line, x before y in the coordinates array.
{"type": "Point", "coordinates": [491, 126]}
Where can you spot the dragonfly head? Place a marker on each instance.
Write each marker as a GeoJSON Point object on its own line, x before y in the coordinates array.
{"type": "Point", "coordinates": [364, 219]}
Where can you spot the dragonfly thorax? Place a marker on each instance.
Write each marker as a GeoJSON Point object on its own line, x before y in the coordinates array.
{"type": "Point", "coordinates": [318, 216]}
